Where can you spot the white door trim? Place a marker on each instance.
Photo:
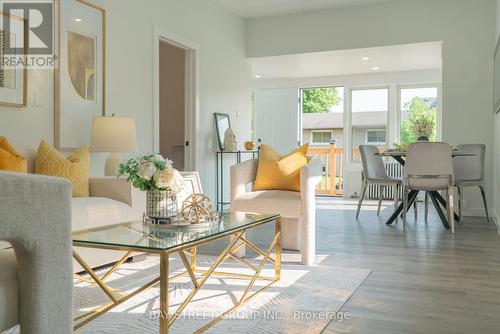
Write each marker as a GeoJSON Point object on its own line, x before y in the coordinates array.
{"type": "Point", "coordinates": [192, 91]}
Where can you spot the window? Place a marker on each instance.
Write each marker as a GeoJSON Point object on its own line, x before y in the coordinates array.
{"type": "Point", "coordinates": [369, 114]}
{"type": "Point", "coordinates": [321, 137]}
{"type": "Point", "coordinates": [375, 137]}
{"type": "Point", "coordinates": [322, 118]}
{"type": "Point", "coordinates": [418, 105]}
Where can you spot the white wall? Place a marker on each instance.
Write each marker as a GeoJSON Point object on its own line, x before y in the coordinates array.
{"type": "Point", "coordinates": [27, 126]}
{"type": "Point", "coordinates": [497, 20]}
{"type": "Point", "coordinates": [465, 27]}
{"type": "Point", "coordinates": [225, 76]}
{"type": "Point", "coordinates": [496, 162]}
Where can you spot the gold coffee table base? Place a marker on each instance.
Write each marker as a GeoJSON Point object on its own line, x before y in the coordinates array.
{"type": "Point", "coordinates": [237, 241]}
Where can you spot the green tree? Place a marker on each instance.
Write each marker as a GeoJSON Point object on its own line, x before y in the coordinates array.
{"type": "Point", "coordinates": [419, 112]}
{"type": "Point", "coordinates": [320, 100]}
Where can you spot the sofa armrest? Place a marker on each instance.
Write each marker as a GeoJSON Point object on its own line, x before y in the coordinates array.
{"type": "Point", "coordinates": [120, 190]}
{"type": "Point", "coordinates": [35, 217]}
{"type": "Point", "coordinates": [241, 175]}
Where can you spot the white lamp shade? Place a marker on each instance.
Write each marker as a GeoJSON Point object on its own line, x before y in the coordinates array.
{"type": "Point", "coordinates": [113, 134]}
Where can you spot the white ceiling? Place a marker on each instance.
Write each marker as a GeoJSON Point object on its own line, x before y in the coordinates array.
{"type": "Point", "coordinates": [259, 8]}
{"type": "Point", "coordinates": [409, 57]}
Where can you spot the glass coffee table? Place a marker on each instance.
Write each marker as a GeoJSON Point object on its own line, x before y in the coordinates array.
{"type": "Point", "coordinates": [136, 237]}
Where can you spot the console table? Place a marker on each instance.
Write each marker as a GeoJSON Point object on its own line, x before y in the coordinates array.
{"type": "Point", "coordinates": [219, 169]}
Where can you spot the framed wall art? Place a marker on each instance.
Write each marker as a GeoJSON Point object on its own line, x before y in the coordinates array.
{"type": "Point", "coordinates": [222, 123]}
{"type": "Point", "coordinates": [80, 73]}
{"type": "Point", "coordinates": [13, 72]}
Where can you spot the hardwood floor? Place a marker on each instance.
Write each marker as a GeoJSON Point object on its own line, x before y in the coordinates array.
{"type": "Point", "coordinates": [424, 280]}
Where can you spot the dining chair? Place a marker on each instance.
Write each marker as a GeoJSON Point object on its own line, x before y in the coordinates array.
{"type": "Point", "coordinates": [469, 172]}
{"type": "Point", "coordinates": [429, 167]}
{"type": "Point", "coordinates": [374, 172]}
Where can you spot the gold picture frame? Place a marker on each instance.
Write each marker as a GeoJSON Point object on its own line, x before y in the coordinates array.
{"type": "Point", "coordinates": [62, 60]}
{"type": "Point", "coordinates": [24, 86]}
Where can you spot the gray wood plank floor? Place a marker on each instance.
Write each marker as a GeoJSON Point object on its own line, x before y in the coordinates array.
{"type": "Point", "coordinates": [423, 280]}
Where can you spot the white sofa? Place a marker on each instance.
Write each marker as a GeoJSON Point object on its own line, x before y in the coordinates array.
{"type": "Point", "coordinates": [112, 200]}
{"type": "Point", "coordinates": [297, 209]}
{"type": "Point", "coordinates": [36, 282]}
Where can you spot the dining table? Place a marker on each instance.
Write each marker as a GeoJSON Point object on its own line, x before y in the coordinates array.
{"type": "Point", "coordinates": [437, 200]}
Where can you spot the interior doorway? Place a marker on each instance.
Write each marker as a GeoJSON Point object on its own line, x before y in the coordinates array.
{"type": "Point", "coordinates": [172, 103]}
{"type": "Point", "coordinates": [175, 98]}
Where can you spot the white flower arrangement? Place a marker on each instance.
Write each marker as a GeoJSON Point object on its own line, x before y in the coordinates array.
{"type": "Point", "coordinates": [152, 172]}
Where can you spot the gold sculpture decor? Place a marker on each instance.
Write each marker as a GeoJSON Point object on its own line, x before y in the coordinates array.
{"type": "Point", "coordinates": [196, 208]}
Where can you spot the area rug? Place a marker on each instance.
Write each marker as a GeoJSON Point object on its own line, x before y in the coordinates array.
{"type": "Point", "coordinates": [304, 300]}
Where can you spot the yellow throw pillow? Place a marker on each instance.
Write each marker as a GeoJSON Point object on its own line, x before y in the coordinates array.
{"type": "Point", "coordinates": [280, 172]}
{"type": "Point", "coordinates": [74, 168]}
{"type": "Point", "coordinates": [10, 160]}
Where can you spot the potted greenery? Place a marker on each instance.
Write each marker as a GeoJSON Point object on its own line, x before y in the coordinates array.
{"type": "Point", "coordinates": [156, 176]}
{"type": "Point", "coordinates": [423, 127]}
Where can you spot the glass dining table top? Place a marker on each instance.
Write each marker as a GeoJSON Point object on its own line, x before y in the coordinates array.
{"type": "Point", "coordinates": [136, 235]}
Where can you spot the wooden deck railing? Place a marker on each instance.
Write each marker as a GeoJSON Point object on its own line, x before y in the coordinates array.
{"type": "Point", "coordinates": [332, 182]}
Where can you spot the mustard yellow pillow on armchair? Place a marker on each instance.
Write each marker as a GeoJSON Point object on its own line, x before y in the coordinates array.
{"type": "Point", "coordinates": [74, 167]}
{"type": "Point", "coordinates": [10, 160]}
{"type": "Point", "coordinates": [277, 172]}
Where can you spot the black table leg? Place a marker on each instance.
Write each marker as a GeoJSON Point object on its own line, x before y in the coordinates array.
{"type": "Point", "coordinates": [434, 197]}
{"type": "Point", "coordinates": [443, 203]}
{"type": "Point", "coordinates": [217, 180]}
{"type": "Point", "coordinates": [412, 196]}
{"type": "Point", "coordinates": [399, 159]}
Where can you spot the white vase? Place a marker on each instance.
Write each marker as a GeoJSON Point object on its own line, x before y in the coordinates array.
{"type": "Point", "coordinates": [161, 206]}
{"type": "Point", "coordinates": [230, 143]}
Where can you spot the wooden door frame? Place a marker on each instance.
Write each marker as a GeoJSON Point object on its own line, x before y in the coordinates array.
{"type": "Point", "coordinates": [191, 123]}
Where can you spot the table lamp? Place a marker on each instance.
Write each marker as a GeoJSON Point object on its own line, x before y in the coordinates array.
{"type": "Point", "coordinates": [114, 135]}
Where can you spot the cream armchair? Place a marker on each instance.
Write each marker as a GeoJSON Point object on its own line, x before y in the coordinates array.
{"type": "Point", "coordinates": [297, 209]}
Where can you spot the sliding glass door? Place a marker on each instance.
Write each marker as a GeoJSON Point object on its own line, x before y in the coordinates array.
{"type": "Point", "coordinates": [322, 126]}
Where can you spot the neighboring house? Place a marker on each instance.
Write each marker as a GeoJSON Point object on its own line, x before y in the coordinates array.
{"type": "Point", "coordinates": [369, 127]}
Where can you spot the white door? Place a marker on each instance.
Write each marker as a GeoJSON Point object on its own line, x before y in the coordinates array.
{"type": "Point", "coordinates": [277, 118]}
